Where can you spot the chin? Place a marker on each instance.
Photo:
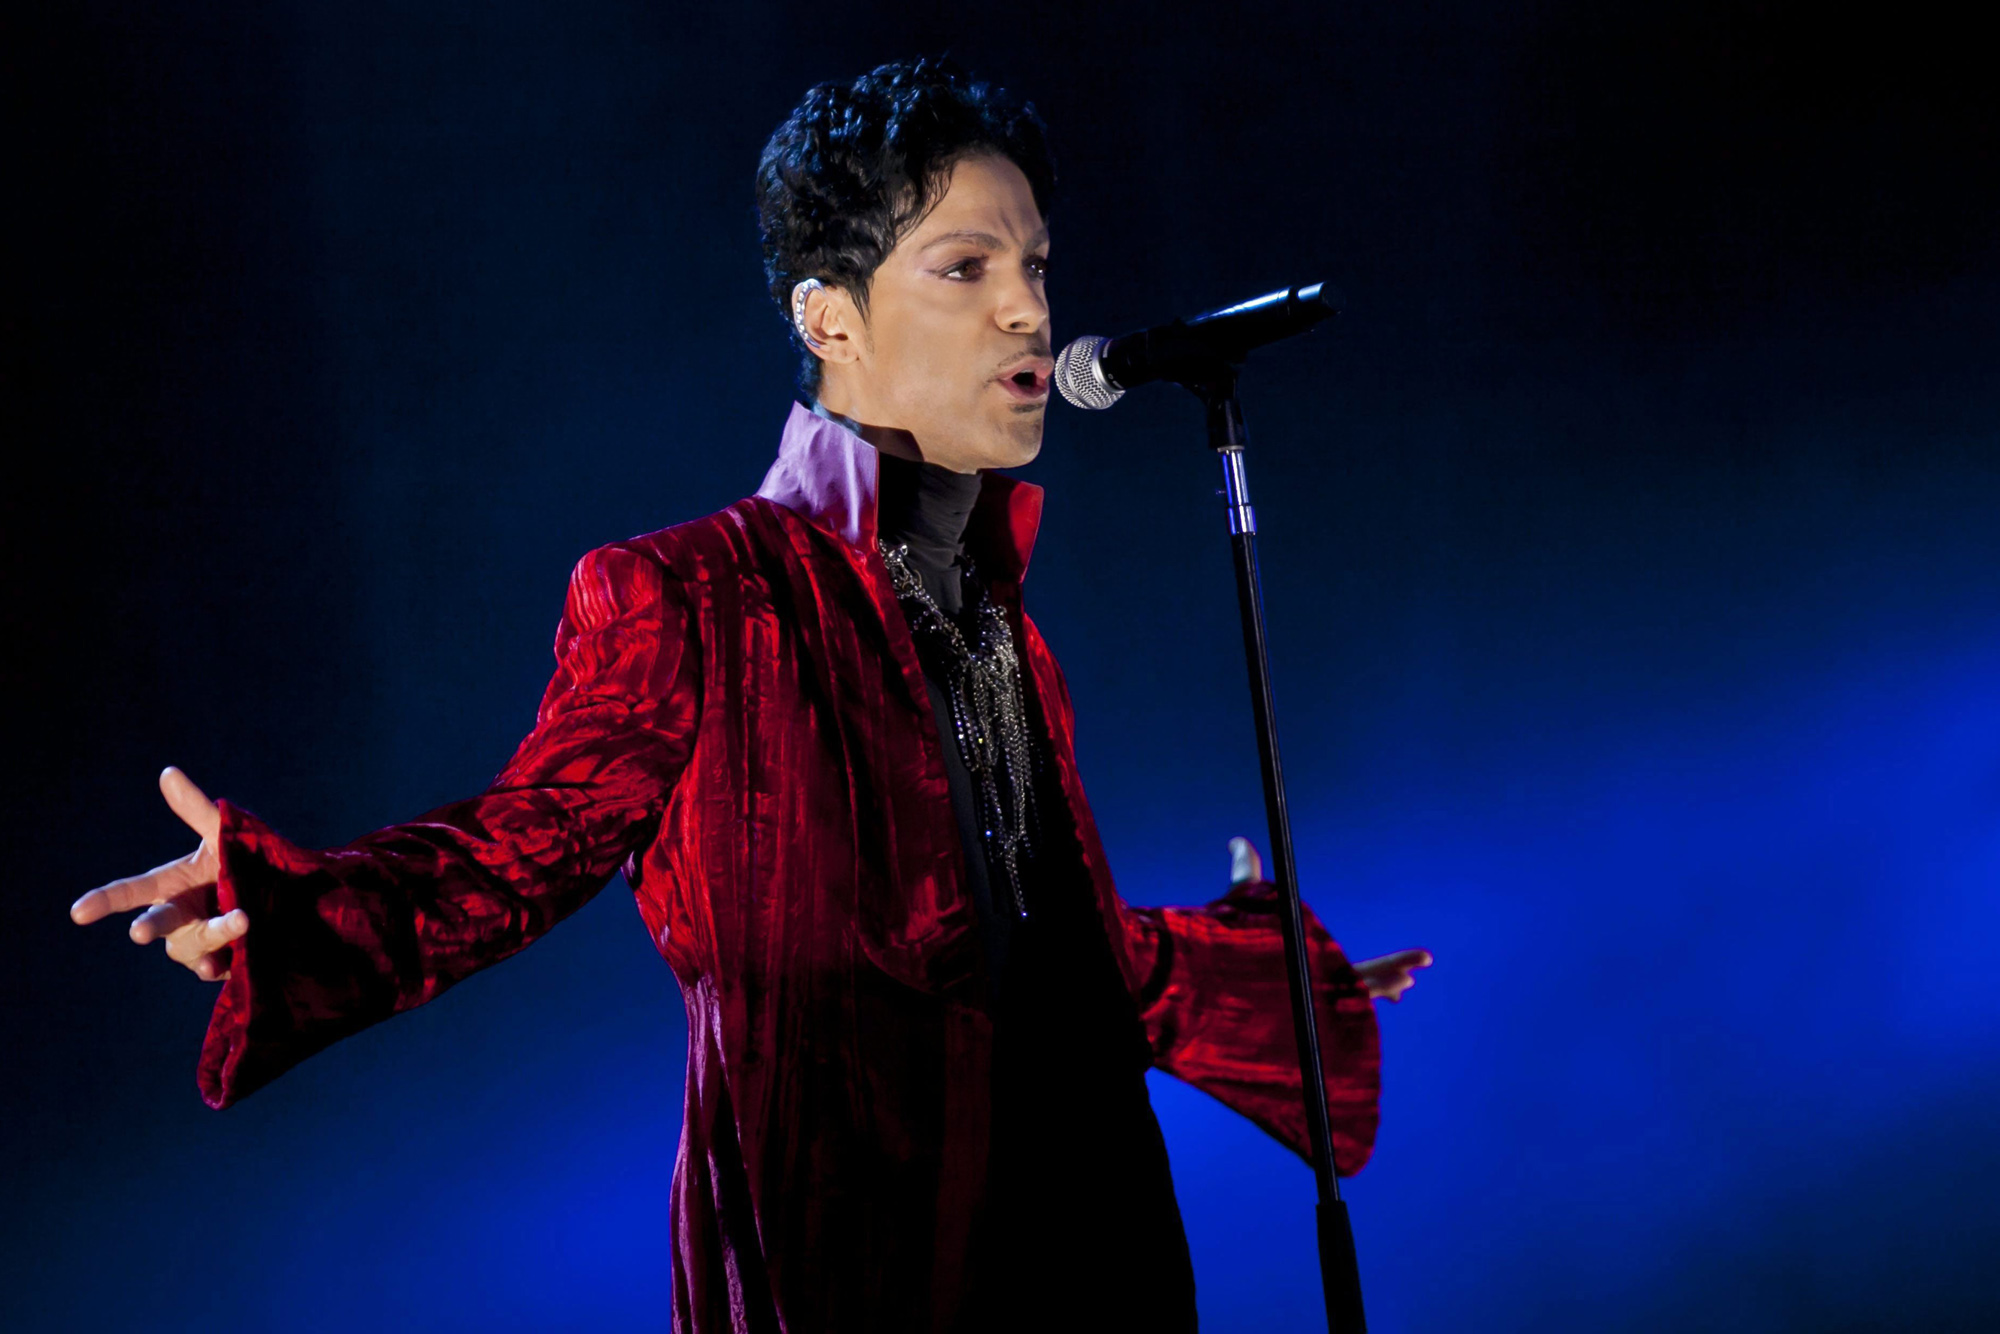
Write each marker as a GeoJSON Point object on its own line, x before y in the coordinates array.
{"type": "Point", "coordinates": [1018, 443]}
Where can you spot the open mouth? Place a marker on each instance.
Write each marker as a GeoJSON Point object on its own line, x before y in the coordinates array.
{"type": "Point", "coordinates": [1028, 385]}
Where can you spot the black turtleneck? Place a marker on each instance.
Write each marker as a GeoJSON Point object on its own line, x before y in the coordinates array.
{"type": "Point", "coordinates": [927, 506]}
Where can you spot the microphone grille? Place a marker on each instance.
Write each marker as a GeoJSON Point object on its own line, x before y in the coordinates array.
{"type": "Point", "coordinates": [1080, 375]}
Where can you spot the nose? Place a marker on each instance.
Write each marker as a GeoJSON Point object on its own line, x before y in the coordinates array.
{"type": "Point", "coordinates": [1023, 308]}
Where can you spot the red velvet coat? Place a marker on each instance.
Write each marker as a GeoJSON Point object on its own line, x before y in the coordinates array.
{"type": "Point", "coordinates": [739, 721]}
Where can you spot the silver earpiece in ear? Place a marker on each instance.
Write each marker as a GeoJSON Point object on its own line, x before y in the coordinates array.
{"type": "Point", "coordinates": [799, 309]}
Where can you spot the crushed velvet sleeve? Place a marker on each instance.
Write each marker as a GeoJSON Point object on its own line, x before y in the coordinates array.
{"type": "Point", "coordinates": [1218, 1012]}
{"type": "Point", "coordinates": [343, 938]}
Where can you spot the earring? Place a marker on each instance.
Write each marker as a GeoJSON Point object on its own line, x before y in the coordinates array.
{"type": "Point", "coordinates": [799, 309]}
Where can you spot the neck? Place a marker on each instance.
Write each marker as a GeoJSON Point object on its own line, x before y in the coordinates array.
{"type": "Point", "coordinates": [835, 404]}
{"type": "Point", "coordinates": [925, 505]}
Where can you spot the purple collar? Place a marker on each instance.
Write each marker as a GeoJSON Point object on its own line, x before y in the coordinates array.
{"type": "Point", "coordinates": [828, 473]}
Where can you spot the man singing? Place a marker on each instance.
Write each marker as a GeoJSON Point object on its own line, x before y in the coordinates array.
{"type": "Point", "coordinates": [835, 761]}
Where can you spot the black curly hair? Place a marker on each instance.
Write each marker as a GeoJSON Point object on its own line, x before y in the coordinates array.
{"type": "Point", "coordinates": [858, 165]}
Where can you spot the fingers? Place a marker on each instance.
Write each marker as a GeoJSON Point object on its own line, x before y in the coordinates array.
{"type": "Point", "coordinates": [190, 803]}
{"type": "Point", "coordinates": [193, 943]}
{"type": "Point", "coordinates": [194, 871]}
{"type": "Point", "coordinates": [177, 877]}
{"type": "Point", "coordinates": [1406, 959]}
{"type": "Point", "coordinates": [1390, 975]}
{"type": "Point", "coordinates": [1386, 983]}
{"type": "Point", "coordinates": [160, 921]}
{"type": "Point", "coordinates": [1244, 863]}
{"type": "Point", "coordinates": [200, 943]}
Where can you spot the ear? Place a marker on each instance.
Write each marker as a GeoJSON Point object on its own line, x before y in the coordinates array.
{"type": "Point", "coordinates": [835, 321]}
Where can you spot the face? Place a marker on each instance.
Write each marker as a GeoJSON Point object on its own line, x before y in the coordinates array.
{"type": "Point", "coordinates": [953, 358]}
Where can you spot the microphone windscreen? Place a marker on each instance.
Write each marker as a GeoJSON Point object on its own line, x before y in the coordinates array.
{"type": "Point", "coordinates": [1080, 374]}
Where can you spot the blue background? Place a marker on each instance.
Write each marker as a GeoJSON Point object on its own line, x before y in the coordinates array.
{"type": "Point", "coordinates": [1630, 545]}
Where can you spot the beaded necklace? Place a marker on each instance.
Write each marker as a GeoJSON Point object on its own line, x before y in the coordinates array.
{"type": "Point", "coordinates": [988, 710]}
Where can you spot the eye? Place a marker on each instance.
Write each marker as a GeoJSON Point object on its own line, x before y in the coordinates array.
{"type": "Point", "coordinates": [958, 270]}
{"type": "Point", "coordinates": [1040, 265]}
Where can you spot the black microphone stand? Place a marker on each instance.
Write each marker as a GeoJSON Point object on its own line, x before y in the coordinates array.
{"type": "Point", "coordinates": [1340, 1275]}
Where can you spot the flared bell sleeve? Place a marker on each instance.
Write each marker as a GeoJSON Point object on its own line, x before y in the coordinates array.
{"type": "Point", "coordinates": [345, 937]}
{"type": "Point", "coordinates": [1211, 987]}
{"type": "Point", "coordinates": [1217, 1007]}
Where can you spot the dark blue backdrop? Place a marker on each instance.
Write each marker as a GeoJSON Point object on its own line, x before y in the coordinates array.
{"type": "Point", "coordinates": [1630, 546]}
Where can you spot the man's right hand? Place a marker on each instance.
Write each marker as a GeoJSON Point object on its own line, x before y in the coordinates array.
{"type": "Point", "coordinates": [178, 897]}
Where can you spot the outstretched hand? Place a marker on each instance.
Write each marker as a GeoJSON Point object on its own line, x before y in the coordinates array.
{"type": "Point", "coordinates": [1386, 977]}
{"type": "Point", "coordinates": [178, 897]}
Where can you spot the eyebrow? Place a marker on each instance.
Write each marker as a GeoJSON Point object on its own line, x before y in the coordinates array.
{"type": "Point", "coordinates": [987, 239]}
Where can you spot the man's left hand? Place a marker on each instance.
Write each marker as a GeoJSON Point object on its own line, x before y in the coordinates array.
{"type": "Point", "coordinates": [1392, 974]}
{"type": "Point", "coordinates": [1385, 978]}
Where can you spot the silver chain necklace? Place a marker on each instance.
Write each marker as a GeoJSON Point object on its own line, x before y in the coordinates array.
{"type": "Point", "coordinates": [988, 712]}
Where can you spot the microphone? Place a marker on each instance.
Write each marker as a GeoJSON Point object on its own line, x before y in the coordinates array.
{"type": "Point", "coordinates": [1095, 372]}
